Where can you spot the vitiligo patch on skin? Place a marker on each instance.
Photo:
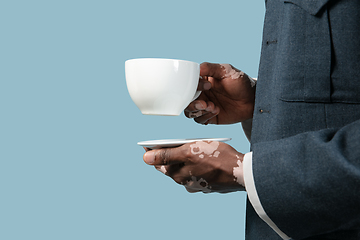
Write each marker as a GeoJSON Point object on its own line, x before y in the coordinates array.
{"type": "Point", "coordinates": [231, 72]}
{"type": "Point", "coordinates": [195, 114]}
{"type": "Point", "coordinates": [163, 169]}
{"type": "Point", "coordinates": [203, 148]}
{"type": "Point", "coordinates": [238, 172]}
{"type": "Point", "coordinates": [235, 74]}
{"type": "Point", "coordinates": [198, 185]}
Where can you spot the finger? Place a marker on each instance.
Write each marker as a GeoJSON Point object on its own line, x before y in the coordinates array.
{"type": "Point", "coordinates": [195, 108]}
{"type": "Point", "coordinates": [179, 173]}
{"type": "Point", "coordinates": [199, 105]}
{"type": "Point", "coordinates": [161, 168]}
{"type": "Point", "coordinates": [208, 118]}
{"type": "Point", "coordinates": [214, 70]}
{"type": "Point", "coordinates": [164, 156]}
{"type": "Point", "coordinates": [192, 190]}
{"type": "Point", "coordinates": [194, 114]}
{"type": "Point", "coordinates": [172, 171]}
{"type": "Point", "coordinates": [203, 85]}
{"type": "Point", "coordinates": [210, 107]}
{"type": "Point", "coordinates": [201, 108]}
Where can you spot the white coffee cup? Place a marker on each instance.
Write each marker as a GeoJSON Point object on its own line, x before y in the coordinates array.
{"type": "Point", "coordinates": [162, 86]}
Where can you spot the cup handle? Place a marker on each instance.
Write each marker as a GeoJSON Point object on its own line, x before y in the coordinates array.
{"type": "Point", "coordinates": [197, 94]}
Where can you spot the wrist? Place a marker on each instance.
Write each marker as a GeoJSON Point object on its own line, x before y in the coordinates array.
{"type": "Point", "coordinates": [238, 171]}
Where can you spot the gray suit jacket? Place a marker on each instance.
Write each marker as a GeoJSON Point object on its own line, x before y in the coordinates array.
{"type": "Point", "coordinates": [306, 127]}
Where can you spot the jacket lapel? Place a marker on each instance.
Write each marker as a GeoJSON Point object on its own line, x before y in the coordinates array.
{"type": "Point", "coordinates": [311, 6]}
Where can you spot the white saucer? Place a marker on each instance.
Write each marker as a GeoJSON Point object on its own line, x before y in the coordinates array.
{"type": "Point", "coordinates": [154, 144]}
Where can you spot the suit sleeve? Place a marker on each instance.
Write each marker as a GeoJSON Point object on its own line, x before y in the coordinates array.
{"type": "Point", "coordinates": [311, 181]}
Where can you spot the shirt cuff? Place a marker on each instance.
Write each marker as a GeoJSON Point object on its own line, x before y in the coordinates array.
{"type": "Point", "coordinates": [253, 196]}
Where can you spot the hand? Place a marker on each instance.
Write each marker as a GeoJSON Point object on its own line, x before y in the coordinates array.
{"type": "Point", "coordinates": [201, 166]}
{"type": "Point", "coordinates": [227, 97]}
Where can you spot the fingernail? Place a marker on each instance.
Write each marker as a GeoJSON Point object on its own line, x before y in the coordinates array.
{"type": "Point", "coordinates": [149, 157]}
{"type": "Point", "coordinates": [207, 86]}
{"type": "Point", "coordinates": [199, 106]}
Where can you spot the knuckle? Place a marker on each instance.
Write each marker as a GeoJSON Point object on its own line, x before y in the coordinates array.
{"type": "Point", "coordinates": [187, 153]}
{"type": "Point", "coordinates": [164, 156]}
{"type": "Point", "coordinates": [205, 64]}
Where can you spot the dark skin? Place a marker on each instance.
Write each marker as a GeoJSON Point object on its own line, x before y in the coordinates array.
{"type": "Point", "coordinates": [227, 97]}
{"type": "Point", "coordinates": [229, 100]}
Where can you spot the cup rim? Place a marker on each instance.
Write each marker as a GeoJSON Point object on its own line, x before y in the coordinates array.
{"type": "Point", "coordinates": [160, 59]}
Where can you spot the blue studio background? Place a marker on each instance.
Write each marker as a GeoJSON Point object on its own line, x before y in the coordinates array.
{"type": "Point", "coordinates": [70, 167]}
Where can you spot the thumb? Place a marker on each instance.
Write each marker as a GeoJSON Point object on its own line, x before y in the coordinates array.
{"type": "Point", "coordinates": [163, 156]}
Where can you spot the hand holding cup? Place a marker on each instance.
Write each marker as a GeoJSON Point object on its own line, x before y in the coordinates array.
{"type": "Point", "coordinates": [230, 98]}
